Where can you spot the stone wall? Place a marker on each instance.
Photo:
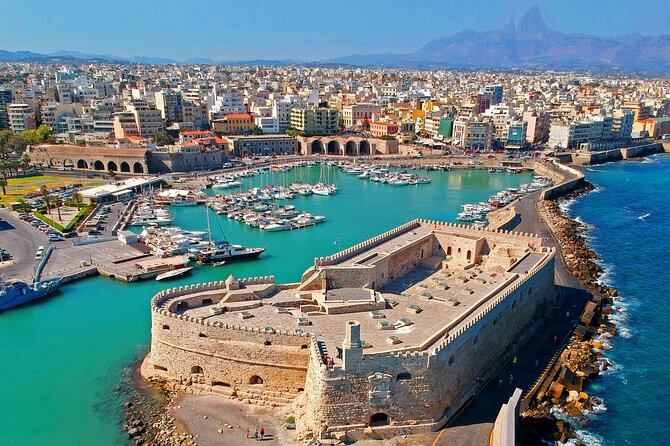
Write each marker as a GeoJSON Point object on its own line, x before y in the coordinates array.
{"type": "Point", "coordinates": [420, 390]}
{"type": "Point", "coordinates": [198, 355]}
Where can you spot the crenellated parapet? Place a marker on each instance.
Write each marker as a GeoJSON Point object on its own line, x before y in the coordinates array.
{"type": "Point", "coordinates": [343, 255]}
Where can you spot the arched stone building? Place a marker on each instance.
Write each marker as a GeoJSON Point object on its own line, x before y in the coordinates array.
{"type": "Point", "coordinates": [346, 146]}
{"type": "Point", "coordinates": [90, 158]}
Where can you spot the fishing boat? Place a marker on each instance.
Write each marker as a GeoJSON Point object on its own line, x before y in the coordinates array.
{"type": "Point", "coordinates": [174, 273]}
{"type": "Point", "coordinates": [17, 293]}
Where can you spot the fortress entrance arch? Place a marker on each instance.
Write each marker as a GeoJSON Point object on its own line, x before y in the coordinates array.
{"type": "Point", "coordinates": [81, 164]}
{"type": "Point", "coordinates": [379, 419]}
{"type": "Point", "coordinates": [98, 165]}
{"type": "Point", "coordinates": [125, 167]}
{"type": "Point", "coordinates": [112, 166]}
{"type": "Point", "coordinates": [137, 168]}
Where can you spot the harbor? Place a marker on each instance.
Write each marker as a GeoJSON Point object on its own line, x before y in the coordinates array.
{"type": "Point", "coordinates": [359, 210]}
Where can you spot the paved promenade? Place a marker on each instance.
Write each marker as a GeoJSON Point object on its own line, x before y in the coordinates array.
{"type": "Point", "coordinates": [474, 423]}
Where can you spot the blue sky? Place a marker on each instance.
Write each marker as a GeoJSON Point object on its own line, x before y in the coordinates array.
{"type": "Point", "coordinates": [303, 29]}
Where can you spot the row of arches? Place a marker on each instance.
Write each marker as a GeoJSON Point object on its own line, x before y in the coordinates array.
{"type": "Point", "coordinates": [333, 147]}
{"type": "Point", "coordinates": [124, 167]}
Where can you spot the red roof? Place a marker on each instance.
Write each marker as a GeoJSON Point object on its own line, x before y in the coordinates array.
{"type": "Point", "coordinates": [238, 116]}
{"type": "Point", "coordinates": [195, 132]}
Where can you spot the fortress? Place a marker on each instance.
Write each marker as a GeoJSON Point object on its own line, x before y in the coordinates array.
{"type": "Point", "coordinates": [394, 334]}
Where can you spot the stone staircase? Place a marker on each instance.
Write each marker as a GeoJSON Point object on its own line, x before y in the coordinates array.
{"type": "Point", "coordinates": [265, 397]}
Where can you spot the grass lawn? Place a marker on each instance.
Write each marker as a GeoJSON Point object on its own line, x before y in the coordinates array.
{"type": "Point", "coordinates": [18, 187]}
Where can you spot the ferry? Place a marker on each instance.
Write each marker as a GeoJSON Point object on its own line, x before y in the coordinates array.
{"type": "Point", "coordinates": [17, 293]}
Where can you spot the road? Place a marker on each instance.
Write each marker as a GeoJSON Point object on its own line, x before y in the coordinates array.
{"type": "Point", "coordinates": [21, 240]}
{"type": "Point", "coordinates": [472, 426]}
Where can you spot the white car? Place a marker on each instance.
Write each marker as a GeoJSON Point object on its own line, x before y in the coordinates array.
{"type": "Point", "coordinates": [56, 238]}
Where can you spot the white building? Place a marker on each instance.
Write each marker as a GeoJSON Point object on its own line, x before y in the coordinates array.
{"type": "Point", "coordinates": [269, 124]}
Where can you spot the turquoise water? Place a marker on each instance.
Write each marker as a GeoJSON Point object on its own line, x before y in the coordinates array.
{"type": "Point", "coordinates": [628, 229]}
{"type": "Point", "coordinates": [62, 358]}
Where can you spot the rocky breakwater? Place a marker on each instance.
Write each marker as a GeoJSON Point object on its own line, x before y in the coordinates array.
{"type": "Point", "coordinates": [562, 389]}
{"type": "Point", "coordinates": [147, 419]}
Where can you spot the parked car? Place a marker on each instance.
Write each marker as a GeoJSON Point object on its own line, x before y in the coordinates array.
{"type": "Point", "coordinates": [56, 238]}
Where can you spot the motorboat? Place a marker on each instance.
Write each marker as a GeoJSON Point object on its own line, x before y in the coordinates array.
{"type": "Point", "coordinates": [174, 273]}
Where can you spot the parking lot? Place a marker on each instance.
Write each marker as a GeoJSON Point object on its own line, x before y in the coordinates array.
{"type": "Point", "coordinates": [21, 240]}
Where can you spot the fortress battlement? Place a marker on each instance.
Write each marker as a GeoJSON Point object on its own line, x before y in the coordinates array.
{"type": "Point", "coordinates": [398, 327]}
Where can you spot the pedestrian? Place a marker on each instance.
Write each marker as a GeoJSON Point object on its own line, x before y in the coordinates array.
{"type": "Point", "coordinates": [247, 432]}
{"type": "Point", "coordinates": [555, 338]}
{"type": "Point", "coordinates": [511, 378]}
{"type": "Point", "coordinates": [256, 433]}
{"type": "Point", "coordinates": [537, 363]}
{"type": "Point", "coordinates": [500, 383]}
{"type": "Point", "coordinates": [514, 360]}
{"type": "Point", "coordinates": [262, 433]}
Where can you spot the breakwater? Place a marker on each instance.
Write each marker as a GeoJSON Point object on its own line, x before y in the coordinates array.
{"type": "Point", "coordinates": [579, 360]}
{"type": "Point", "coordinates": [607, 156]}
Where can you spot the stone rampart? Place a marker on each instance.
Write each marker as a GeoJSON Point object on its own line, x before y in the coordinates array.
{"type": "Point", "coordinates": [345, 254]}
{"type": "Point", "coordinates": [195, 354]}
{"type": "Point", "coordinates": [407, 391]}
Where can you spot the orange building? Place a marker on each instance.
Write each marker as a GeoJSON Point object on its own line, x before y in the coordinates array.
{"type": "Point", "coordinates": [234, 124]}
{"type": "Point", "coordinates": [379, 129]}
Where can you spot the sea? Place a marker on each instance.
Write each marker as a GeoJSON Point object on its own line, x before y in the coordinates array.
{"type": "Point", "coordinates": [625, 218]}
{"type": "Point", "coordinates": [64, 359]}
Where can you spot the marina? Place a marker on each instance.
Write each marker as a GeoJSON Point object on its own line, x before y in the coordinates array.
{"type": "Point", "coordinates": [359, 210]}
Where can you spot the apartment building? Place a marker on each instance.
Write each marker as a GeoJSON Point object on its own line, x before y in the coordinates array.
{"type": "Point", "coordinates": [315, 120]}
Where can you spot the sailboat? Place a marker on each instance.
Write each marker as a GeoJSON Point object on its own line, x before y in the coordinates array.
{"type": "Point", "coordinates": [223, 251]}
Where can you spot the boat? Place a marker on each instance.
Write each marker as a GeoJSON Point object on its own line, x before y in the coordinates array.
{"type": "Point", "coordinates": [227, 252]}
{"type": "Point", "coordinates": [174, 273]}
{"type": "Point", "coordinates": [275, 226]}
{"type": "Point", "coordinates": [221, 263]}
{"type": "Point", "coordinates": [226, 184]}
{"type": "Point", "coordinates": [17, 293]}
{"type": "Point", "coordinates": [183, 202]}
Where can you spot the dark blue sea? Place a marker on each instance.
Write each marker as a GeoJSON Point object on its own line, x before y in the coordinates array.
{"type": "Point", "coordinates": [627, 221]}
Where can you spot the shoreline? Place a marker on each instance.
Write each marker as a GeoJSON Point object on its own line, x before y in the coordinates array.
{"type": "Point", "coordinates": [580, 360]}
{"type": "Point", "coordinates": [146, 412]}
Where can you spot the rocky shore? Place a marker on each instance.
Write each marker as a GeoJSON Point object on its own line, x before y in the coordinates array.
{"type": "Point", "coordinates": [582, 358]}
{"type": "Point", "coordinates": [147, 420]}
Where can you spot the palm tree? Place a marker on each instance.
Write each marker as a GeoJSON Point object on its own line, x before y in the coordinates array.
{"type": "Point", "coordinates": [56, 201]}
{"type": "Point", "coordinates": [76, 196]}
{"type": "Point", "coordinates": [45, 195]}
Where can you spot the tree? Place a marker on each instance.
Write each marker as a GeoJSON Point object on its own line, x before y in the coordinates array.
{"type": "Point", "coordinates": [3, 184]}
{"type": "Point", "coordinates": [111, 174]}
{"type": "Point", "coordinates": [163, 138]}
{"type": "Point", "coordinates": [45, 195]}
{"type": "Point", "coordinates": [256, 130]}
{"type": "Point", "coordinates": [76, 196]}
{"type": "Point", "coordinates": [56, 201]}
{"type": "Point", "coordinates": [44, 133]}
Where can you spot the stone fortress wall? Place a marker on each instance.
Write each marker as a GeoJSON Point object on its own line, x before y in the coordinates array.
{"type": "Point", "coordinates": [193, 354]}
{"type": "Point", "coordinates": [399, 390]}
{"type": "Point", "coordinates": [419, 390]}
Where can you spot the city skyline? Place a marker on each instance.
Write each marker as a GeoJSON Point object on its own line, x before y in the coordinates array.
{"type": "Point", "coordinates": [297, 30]}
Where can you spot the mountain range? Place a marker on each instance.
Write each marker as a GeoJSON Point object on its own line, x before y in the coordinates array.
{"type": "Point", "coordinates": [528, 45]}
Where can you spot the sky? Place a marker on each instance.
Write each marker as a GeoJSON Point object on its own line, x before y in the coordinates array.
{"type": "Point", "coordinates": [298, 29]}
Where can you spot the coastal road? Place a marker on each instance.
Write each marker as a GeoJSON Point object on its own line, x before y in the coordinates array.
{"type": "Point", "coordinates": [472, 426]}
{"type": "Point", "coordinates": [21, 240]}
